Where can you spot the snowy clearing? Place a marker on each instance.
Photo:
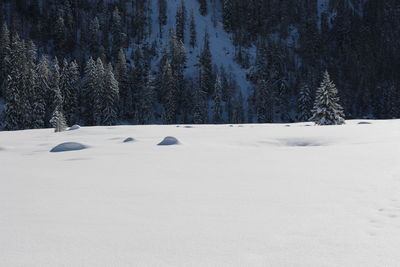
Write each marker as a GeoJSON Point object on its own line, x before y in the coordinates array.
{"type": "Point", "coordinates": [256, 195]}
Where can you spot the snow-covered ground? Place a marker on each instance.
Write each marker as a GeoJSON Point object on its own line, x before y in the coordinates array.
{"type": "Point", "coordinates": [251, 195]}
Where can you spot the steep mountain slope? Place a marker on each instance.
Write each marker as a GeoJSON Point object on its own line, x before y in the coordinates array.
{"type": "Point", "coordinates": [223, 51]}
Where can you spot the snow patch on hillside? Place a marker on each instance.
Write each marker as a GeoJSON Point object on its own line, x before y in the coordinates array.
{"type": "Point", "coordinates": [221, 46]}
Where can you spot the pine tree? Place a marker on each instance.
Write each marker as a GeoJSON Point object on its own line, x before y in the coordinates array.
{"type": "Point", "coordinates": [125, 91]}
{"type": "Point", "coordinates": [30, 90]}
{"type": "Point", "coordinates": [147, 100]}
{"type": "Point", "coordinates": [199, 106]}
{"type": "Point", "coordinates": [4, 55]}
{"type": "Point", "coordinates": [55, 91]}
{"type": "Point", "coordinates": [180, 23]}
{"type": "Point", "coordinates": [69, 86]}
{"type": "Point", "coordinates": [304, 103]}
{"type": "Point", "coordinates": [60, 36]}
{"type": "Point", "coordinates": [264, 102]}
{"type": "Point", "coordinates": [58, 120]}
{"type": "Point", "coordinates": [239, 109]}
{"type": "Point", "coordinates": [97, 95]}
{"type": "Point", "coordinates": [110, 98]}
{"type": "Point", "coordinates": [218, 100]}
{"type": "Point", "coordinates": [117, 33]}
{"type": "Point", "coordinates": [89, 85]}
{"type": "Point", "coordinates": [38, 104]}
{"type": "Point", "coordinates": [44, 91]}
{"type": "Point", "coordinates": [15, 87]}
{"type": "Point", "coordinates": [193, 33]}
{"type": "Point", "coordinates": [205, 65]}
{"type": "Point", "coordinates": [227, 9]}
{"type": "Point", "coordinates": [170, 108]}
{"type": "Point", "coordinates": [327, 110]}
{"type": "Point", "coordinates": [162, 15]}
{"type": "Point", "coordinates": [94, 38]}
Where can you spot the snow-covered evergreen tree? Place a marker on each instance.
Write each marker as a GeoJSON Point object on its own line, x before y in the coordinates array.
{"type": "Point", "coordinates": [58, 121]}
{"type": "Point", "coordinates": [5, 43]}
{"type": "Point", "coordinates": [170, 108]}
{"type": "Point", "coordinates": [227, 9]}
{"type": "Point", "coordinates": [94, 37]}
{"type": "Point", "coordinates": [110, 98]}
{"type": "Point", "coordinates": [117, 32]}
{"type": "Point", "coordinates": [97, 95]}
{"type": "Point", "coordinates": [304, 103]}
{"type": "Point", "coordinates": [218, 100]}
{"type": "Point", "coordinates": [199, 107]}
{"type": "Point", "coordinates": [327, 110]}
{"type": "Point", "coordinates": [162, 15]}
{"type": "Point", "coordinates": [89, 85]}
{"type": "Point", "coordinates": [147, 100]}
{"type": "Point", "coordinates": [69, 85]}
{"type": "Point", "coordinates": [193, 32]}
{"type": "Point", "coordinates": [15, 87]}
{"type": "Point", "coordinates": [205, 67]}
{"type": "Point", "coordinates": [180, 22]}
{"type": "Point", "coordinates": [126, 109]}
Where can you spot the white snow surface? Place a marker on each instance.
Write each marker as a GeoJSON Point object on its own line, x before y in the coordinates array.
{"type": "Point", "coordinates": [256, 195]}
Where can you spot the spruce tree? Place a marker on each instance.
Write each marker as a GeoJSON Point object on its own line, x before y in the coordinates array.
{"type": "Point", "coordinates": [125, 91]}
{"type": "Point", "coordinates": [162, 15]}
{"type": "Point", "coordinates": [170, 108]}
{"type": "Point", "coordinates": [147, 100]}
{"type": "Point", "coordinates": [205, 67]}
{"type": "Point", "coordinates": [218, 101]}
{"type": "Point", "coordinates": [110, 98]}
{"type": "Point", "coordinates": [327, 110]}
{"type": "Point", "coordinates": [4, 55]}
{"type": "Point", "coordinates": [193, 32]}
{"type": "Point", "coordinates": [304, 103]}
{"type": "Point", "coordinates": [239, 109]}
{"type": "Point", "coordinates": [227, 18]}
{"type": "Point", "coordinates": [58, 120]}
{"type": "Point", "coordinates": [44, 91]}
{"type": "Point", "coordinates": [60, 36]}
{"type": "Point", "coordinates": [199, 106]}
{"type": "Point", "coordinates": [69, 85]}
{"type": "Point", "coordinates": [31, 96]}
{"type": "Point", "coordinates": [89, 85]}
{"type": "Point", "coordinates": [15, 87]}
{"type": "Point", "coordinates": [180, 22]}
{"type": "Point", "coordinates": [97, 95]}
{"type": "Point", "coordinates": [94, 38]}
{"type": "Point", "coordinates": [117, 33]}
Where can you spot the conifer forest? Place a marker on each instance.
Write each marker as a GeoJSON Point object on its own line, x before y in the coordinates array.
{"type": "Point", "coordinates": [109, 62]}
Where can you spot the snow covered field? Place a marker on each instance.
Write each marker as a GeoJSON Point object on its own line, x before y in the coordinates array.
{"type": "Point", "coordinates": [251, 195]}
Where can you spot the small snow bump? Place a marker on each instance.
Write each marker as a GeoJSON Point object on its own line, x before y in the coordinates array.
{"type": "Point", "coordinates": [68, 146]}
{"type": "Point", "coordinates": [364, 123]}
{"type": "Point", "coordinates": [129, 140]}
{"type": "Point", "coordinates": [169, 141]}
{"type": "Point", "coordinates": [74, 127]}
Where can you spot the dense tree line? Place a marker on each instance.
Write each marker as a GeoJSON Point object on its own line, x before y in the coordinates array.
{"type": "Point", "coordinates": [93, 62]}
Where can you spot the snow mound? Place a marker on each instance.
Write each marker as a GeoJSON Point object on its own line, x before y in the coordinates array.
{"type": "Point", "coordinates": [74, 127]}
{"type": "Point", "coordinates": [1, 148]}
{"type": "Point", "coordinates": [129, 140]}
{"type": "Point", "coordinates": [188, 127]}
{"type": "Point", "coordinates": [300, 142]}
{"type": "Point", "coordinates": [69, 146]}
{"type": "Point", "coordinates": [169, 141]}
{"type": "Point", "coordinates": [364, 122]}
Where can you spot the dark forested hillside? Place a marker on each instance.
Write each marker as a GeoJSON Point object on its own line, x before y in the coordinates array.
{"type": "Point", "coordinates": [98, 62]}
